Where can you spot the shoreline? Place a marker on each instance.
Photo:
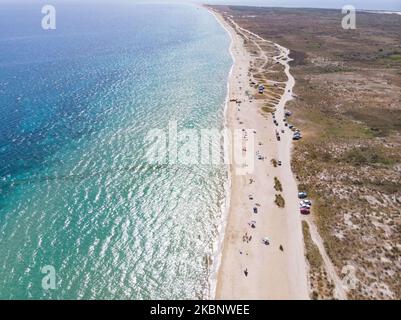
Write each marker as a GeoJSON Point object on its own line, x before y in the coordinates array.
{"type": "Point", "coordinates": [217, 256]}
{"type": "Point", "coordinates": [286, 279]}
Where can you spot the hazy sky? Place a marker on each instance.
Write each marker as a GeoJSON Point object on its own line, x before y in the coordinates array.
{"type": "Point", "coordinates": [394, 5]}
{"type": "Point", "coordinates": [360, 4]}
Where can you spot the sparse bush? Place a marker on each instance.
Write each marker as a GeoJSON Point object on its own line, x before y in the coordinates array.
{"type": "Point", "coordinates": [280, 202]}
{"type": "Point", "coordinates": [277, 184]}
{"type": "Point", "coordinates": [268, 109]}
{"type": "Point", "coordinates": [365, 156]}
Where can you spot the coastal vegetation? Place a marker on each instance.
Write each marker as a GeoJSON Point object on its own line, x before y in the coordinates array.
{"type": "Point", "coordinates": [268, 109]}
{"type": "Point", "coordinates": [320, 286]}
{"type": "Point", "coordinates": [279, 201]}
{"type": "Point", "coordinates": [277, 184]}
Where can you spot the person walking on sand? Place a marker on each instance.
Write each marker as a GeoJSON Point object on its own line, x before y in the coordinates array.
{"type": "Point", "coordinates": [246, 272]}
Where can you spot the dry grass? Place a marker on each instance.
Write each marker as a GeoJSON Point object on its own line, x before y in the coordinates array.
{"type": "Point", "coordinates": [277, 185]}
{"type": "Point", "coordinates": [279, 201]}
{"type": "Point", "coordinates": [320, 286]}
{"type": "Point", "coordinates": [268, 109]}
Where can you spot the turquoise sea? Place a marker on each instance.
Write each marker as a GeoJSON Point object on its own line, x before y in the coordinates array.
{"type": "Point", "coordinates": [76, 191]}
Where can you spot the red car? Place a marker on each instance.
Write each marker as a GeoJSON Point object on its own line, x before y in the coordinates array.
{"type": "Point", "coordinates": [305, 211]}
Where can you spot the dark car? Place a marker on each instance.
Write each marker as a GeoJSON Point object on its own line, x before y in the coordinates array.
{"type": "Point", "coordinates": [305, 211]}
{"type": "Point", "coordinates": [302, 195]}
{"type": "Point", "coordinates": [255, 210]}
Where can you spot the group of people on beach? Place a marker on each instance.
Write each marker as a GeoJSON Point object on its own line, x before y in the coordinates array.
{"type": "Point", "coordinates": [252, 224]}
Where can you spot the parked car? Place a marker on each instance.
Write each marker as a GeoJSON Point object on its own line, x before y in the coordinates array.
{"type": "Point", "coordinates": [302, 195]}
{"type": "Point", "coordinates": [297, 136]}
{"type": "Point", "coordinates": [255, 210]}
{"type": "Point", "coordinates": [305, 211]}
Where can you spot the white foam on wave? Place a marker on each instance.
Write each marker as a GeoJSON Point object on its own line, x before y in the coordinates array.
{"type": "Point", "coordinates": [225, 206]}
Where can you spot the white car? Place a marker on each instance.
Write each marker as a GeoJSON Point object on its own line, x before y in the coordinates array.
{"type": "Point", "coordinates": [305, 204]}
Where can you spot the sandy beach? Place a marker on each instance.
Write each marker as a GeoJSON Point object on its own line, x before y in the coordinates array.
{"type": "Point", "coordinates": [249, 268]}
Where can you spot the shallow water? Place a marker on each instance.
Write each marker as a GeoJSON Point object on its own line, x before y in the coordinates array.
{"type": "Point", "coordinates": [76, 192]}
